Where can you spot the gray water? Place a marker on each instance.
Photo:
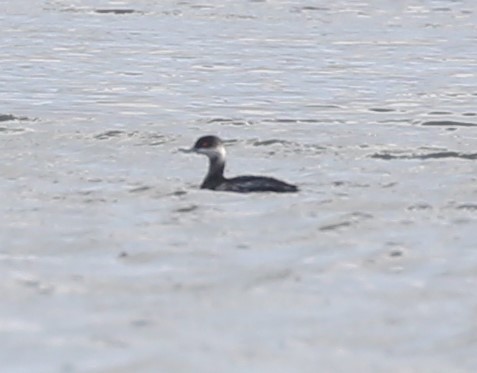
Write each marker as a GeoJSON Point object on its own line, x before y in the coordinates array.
{"type": "Point", "coordinates": [112, 259]}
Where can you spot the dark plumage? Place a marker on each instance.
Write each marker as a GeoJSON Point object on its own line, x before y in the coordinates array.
{"type": "Point", "coordinates": [214, 149]}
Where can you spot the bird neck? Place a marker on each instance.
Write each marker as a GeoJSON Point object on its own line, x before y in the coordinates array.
{"type": "Point", "coordinates": [215, 175]}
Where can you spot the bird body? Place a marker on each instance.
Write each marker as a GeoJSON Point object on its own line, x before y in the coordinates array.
{"type": "Point", "coordinates": [213, 148]}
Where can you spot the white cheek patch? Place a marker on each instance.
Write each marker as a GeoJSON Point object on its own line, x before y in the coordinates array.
{"type": "Point", "coordinates": [212, 153]}
{"type": "Point", "coordinates": [221, 151]}
{"type": "Point", "coordinates": [207, 152]}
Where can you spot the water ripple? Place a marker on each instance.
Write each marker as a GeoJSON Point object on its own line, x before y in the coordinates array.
{"type": "Point", "coordinates": [449, 123]}
{"type": "Point", "coordinates": [437, 155]}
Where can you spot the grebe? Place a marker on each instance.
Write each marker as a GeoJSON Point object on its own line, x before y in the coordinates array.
{"type": "Point", "coordinates": [214, 149]}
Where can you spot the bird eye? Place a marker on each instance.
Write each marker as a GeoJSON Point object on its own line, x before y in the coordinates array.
{"type": "Point", "coordinates": [205, 144]}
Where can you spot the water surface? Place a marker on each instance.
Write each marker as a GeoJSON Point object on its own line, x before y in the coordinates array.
{"type": "Point", "coordinates": [114, 261]}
